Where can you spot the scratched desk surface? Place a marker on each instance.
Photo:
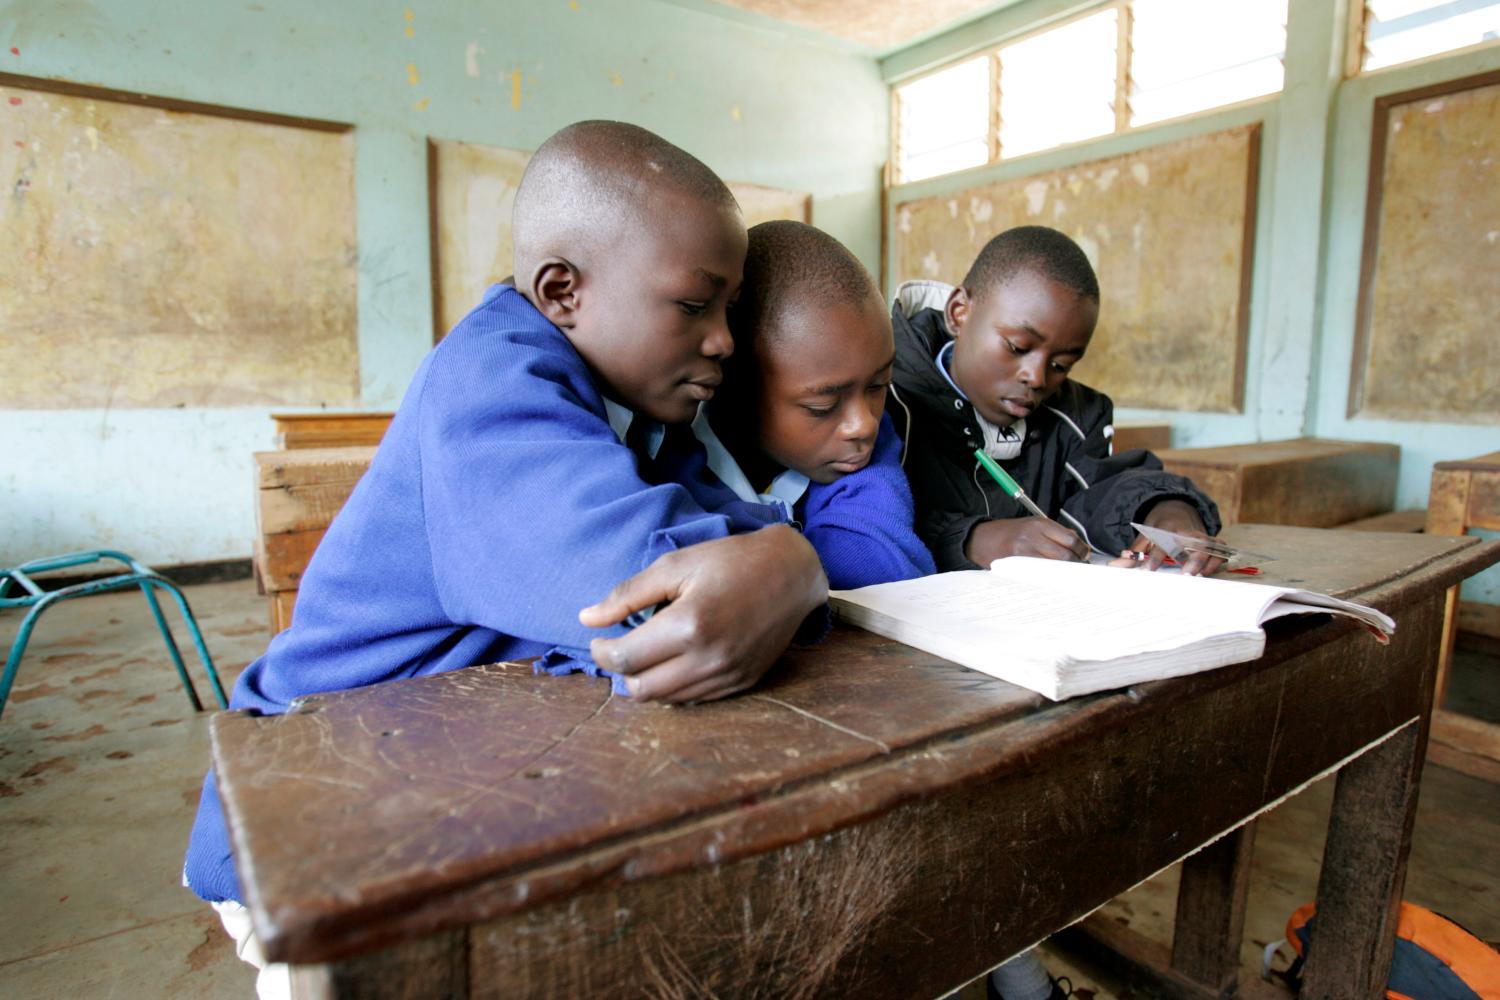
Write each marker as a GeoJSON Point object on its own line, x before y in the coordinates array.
{"type": "Point", "coordinates": [492, 789]}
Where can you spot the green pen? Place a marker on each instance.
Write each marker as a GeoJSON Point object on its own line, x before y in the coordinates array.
{"type": "Point", "coordinates": [1010, 486]}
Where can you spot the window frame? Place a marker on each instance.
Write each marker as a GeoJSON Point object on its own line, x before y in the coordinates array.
{"type": "Point", "coordinates": [1124, 59]}
{"type": "Point", "coordinates": [1354, 47]}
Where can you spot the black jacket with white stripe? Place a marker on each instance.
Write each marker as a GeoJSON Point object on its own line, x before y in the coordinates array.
{"type": "Point", "coordinates": [1066, 463]}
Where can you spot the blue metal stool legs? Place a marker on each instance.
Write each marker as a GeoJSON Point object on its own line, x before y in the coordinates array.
{"type": "Point", "coordinates": [139, 576]}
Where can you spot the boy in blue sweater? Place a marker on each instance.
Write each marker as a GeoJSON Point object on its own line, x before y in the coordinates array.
{"type": "Point", "coordinates": [803, 402]}
{"type": "Point", "coordinates": [527, 473]}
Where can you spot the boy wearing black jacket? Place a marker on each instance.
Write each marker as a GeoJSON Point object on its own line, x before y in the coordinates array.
{"type": "Point", "coordinates": [985, 365]}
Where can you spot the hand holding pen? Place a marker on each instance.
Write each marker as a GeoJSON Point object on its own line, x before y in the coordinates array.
{"type": "Point", "coordinates": [1038, 536]}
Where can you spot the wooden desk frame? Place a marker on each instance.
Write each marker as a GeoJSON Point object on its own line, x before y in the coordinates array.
{"type": "Point", "coordinates": [1464, 495]}
{"type": "Point", "coordinates": [914, 868]}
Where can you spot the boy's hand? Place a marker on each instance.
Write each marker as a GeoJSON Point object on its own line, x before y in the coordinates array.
{"type": "Point", "coordinates": [731, 608]}
{"type": "Point", "coordinates": [1181, 517]}
{"type": "Point", "coordinates": [1023, 536]}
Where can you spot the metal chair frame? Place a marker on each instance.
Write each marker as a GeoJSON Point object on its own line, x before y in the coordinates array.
{"type": "Point", "coordinates": [138, 575]}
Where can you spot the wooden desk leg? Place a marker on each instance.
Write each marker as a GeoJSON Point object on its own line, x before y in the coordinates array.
{"type": "Point", "coordinates": [1447, 514]}
{"type": "Point", "coordinates": [1210, 921]}
{"type": "Point", "coordinates": [1364, 870]}
{"type": "Point", "coordinates": [1445, 651]}
{"type": "Point", "coordinates": [435, 966]}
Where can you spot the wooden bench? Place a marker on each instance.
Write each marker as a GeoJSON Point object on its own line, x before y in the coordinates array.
{"type": "Point", "coordinates": [329, 430]}
{"type": "Point", "coordinates": [1406, 522]}
{"type": "Point", "coordinates": [297, 495]}
{"type": "Point", "coordinates": [1308, 482]}
{"type": "Point", "coordinates": [1152, 437]}
{"type": "Point", "coordinates": [1465, 494]}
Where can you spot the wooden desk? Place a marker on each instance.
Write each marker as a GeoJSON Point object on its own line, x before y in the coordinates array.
{"type": "Point", "coordinates": [1312, 482]}
{"type": "Point", "coordinates": [1152, 437]}
{"type": "Point", "coordinates": [871, 821]}
{"type": "Point", "coordinates": [1464, 495]}
{"type": "Point", "coordinates": [329, 430]}
{"type": "Point", "coordinates": [297, 494]}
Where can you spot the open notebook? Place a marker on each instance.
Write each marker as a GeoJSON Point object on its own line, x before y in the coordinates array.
{"type": "Point", "coordinates": [1064, 629]}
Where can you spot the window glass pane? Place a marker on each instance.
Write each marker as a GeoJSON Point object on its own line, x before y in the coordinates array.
{"type": "Point", "coordinates": [944, 121]}
{"type": "Point", "coordinates": [1398, 31]}
{"type": "Point", "coordinates": [1058, 86]}
{"type": "Point", "coordinates": [1189, 55]}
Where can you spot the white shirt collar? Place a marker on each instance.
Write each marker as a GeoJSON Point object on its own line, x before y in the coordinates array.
{"type": "Point", "coordinates": [620, 419]}
{"type": "Point", "coordinates": [785, 490]}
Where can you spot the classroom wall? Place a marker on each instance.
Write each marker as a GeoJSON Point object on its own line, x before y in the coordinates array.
{"type": "Point", "coordinates": [759, 102]}
{"type": "Point", "coordinates": [1309, 232]}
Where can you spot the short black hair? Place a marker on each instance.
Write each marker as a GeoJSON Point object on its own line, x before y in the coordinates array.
{"type": "Point", "coordinates": [788, 262]}
{"type": "Point", "coordinates": [1046, 251]}
{"type": "Point", "coordinates": [593, 176]}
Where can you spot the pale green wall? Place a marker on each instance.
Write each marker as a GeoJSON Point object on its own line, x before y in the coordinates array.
{"type": "Point", "coordinates": [1309, 227]}
{"type": "Point", "coordinates": [759, 103]}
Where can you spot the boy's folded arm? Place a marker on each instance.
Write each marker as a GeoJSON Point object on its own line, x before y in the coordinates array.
{"type": "Point", "coordinates": [731, 608]}
{"type": "Point", "coordinates": [1123, 489]}
{"type": "Point", "coordinates": [946, 533]}
{"type": "Point", "coordinates": [534, 509]}
{"type": "Point", "coordinates": [862, 524]}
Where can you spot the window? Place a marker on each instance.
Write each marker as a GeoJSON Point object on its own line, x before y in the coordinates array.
{"type": "Point", "coordinates": [1059, 86]}
{"type": "Point", "coordinates": [1124, 64]}
{"type": "Point", "coordinates": [944, 120]}
{"type": "Point", "coordinates": [1398, 31]}
{"type": "Point", "coordinates": [1188, 55]}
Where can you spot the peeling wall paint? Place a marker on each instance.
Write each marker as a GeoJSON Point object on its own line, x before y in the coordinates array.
{"type": "Point", "coordinates": [474, 190]}
{"type": "Point", "coordinates": [165, 259]}
{"type": "Point", "coordinates": [1181, 211]}
{"type": "Point", "coordinates": [1434, 291]}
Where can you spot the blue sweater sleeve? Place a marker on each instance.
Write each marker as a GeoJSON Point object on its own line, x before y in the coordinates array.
{"type": "Point", "coordinates": [523, 479]}
{"type": "Point", "coordinates": [861, 524]}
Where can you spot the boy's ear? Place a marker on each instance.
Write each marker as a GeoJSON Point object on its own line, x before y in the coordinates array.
{"type": "Point", "coordinates": [956, 312]}
{"type": "Point", "coordinates": [554, 291]}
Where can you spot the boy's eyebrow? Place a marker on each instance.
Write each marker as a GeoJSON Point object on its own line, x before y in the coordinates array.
{"type": "Point", "coordinates": [831, 390]}
{"type": "Point", "coordinates": [717, 280]}
{"type": "Point", "coordinates": [1039, 335]}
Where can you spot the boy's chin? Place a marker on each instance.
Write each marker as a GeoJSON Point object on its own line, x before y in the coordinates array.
{"type": "Point", "coordinates": [822, 475]}
{"type": "Point", "coordinates": [669, 411]}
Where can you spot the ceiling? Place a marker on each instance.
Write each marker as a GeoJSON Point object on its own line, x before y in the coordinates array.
{"type": "Point", "coordinates": [879, 24]}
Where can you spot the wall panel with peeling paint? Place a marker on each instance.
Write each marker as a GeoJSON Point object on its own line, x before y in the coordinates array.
{"type": "Point", "coordinates": [1145, 219]}
{"type": "Point", "coordinates": [473, 195]}
{"type": "Point", "coordinates": [1432, 253]}
{"type": "Point", "coordinates": [162, 258]}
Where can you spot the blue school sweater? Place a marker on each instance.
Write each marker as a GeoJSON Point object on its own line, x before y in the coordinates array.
{"type": "Point", "coordinates": [859, 524]}
{"type": "Point", "coordinates": [499, 504]}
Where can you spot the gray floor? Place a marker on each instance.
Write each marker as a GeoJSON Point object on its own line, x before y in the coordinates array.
{"type": "Point", "coordinates": [101, 760]}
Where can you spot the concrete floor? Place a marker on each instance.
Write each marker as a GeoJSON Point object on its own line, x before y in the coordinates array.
{"type": "Point", "coordinates": [101, 759]}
